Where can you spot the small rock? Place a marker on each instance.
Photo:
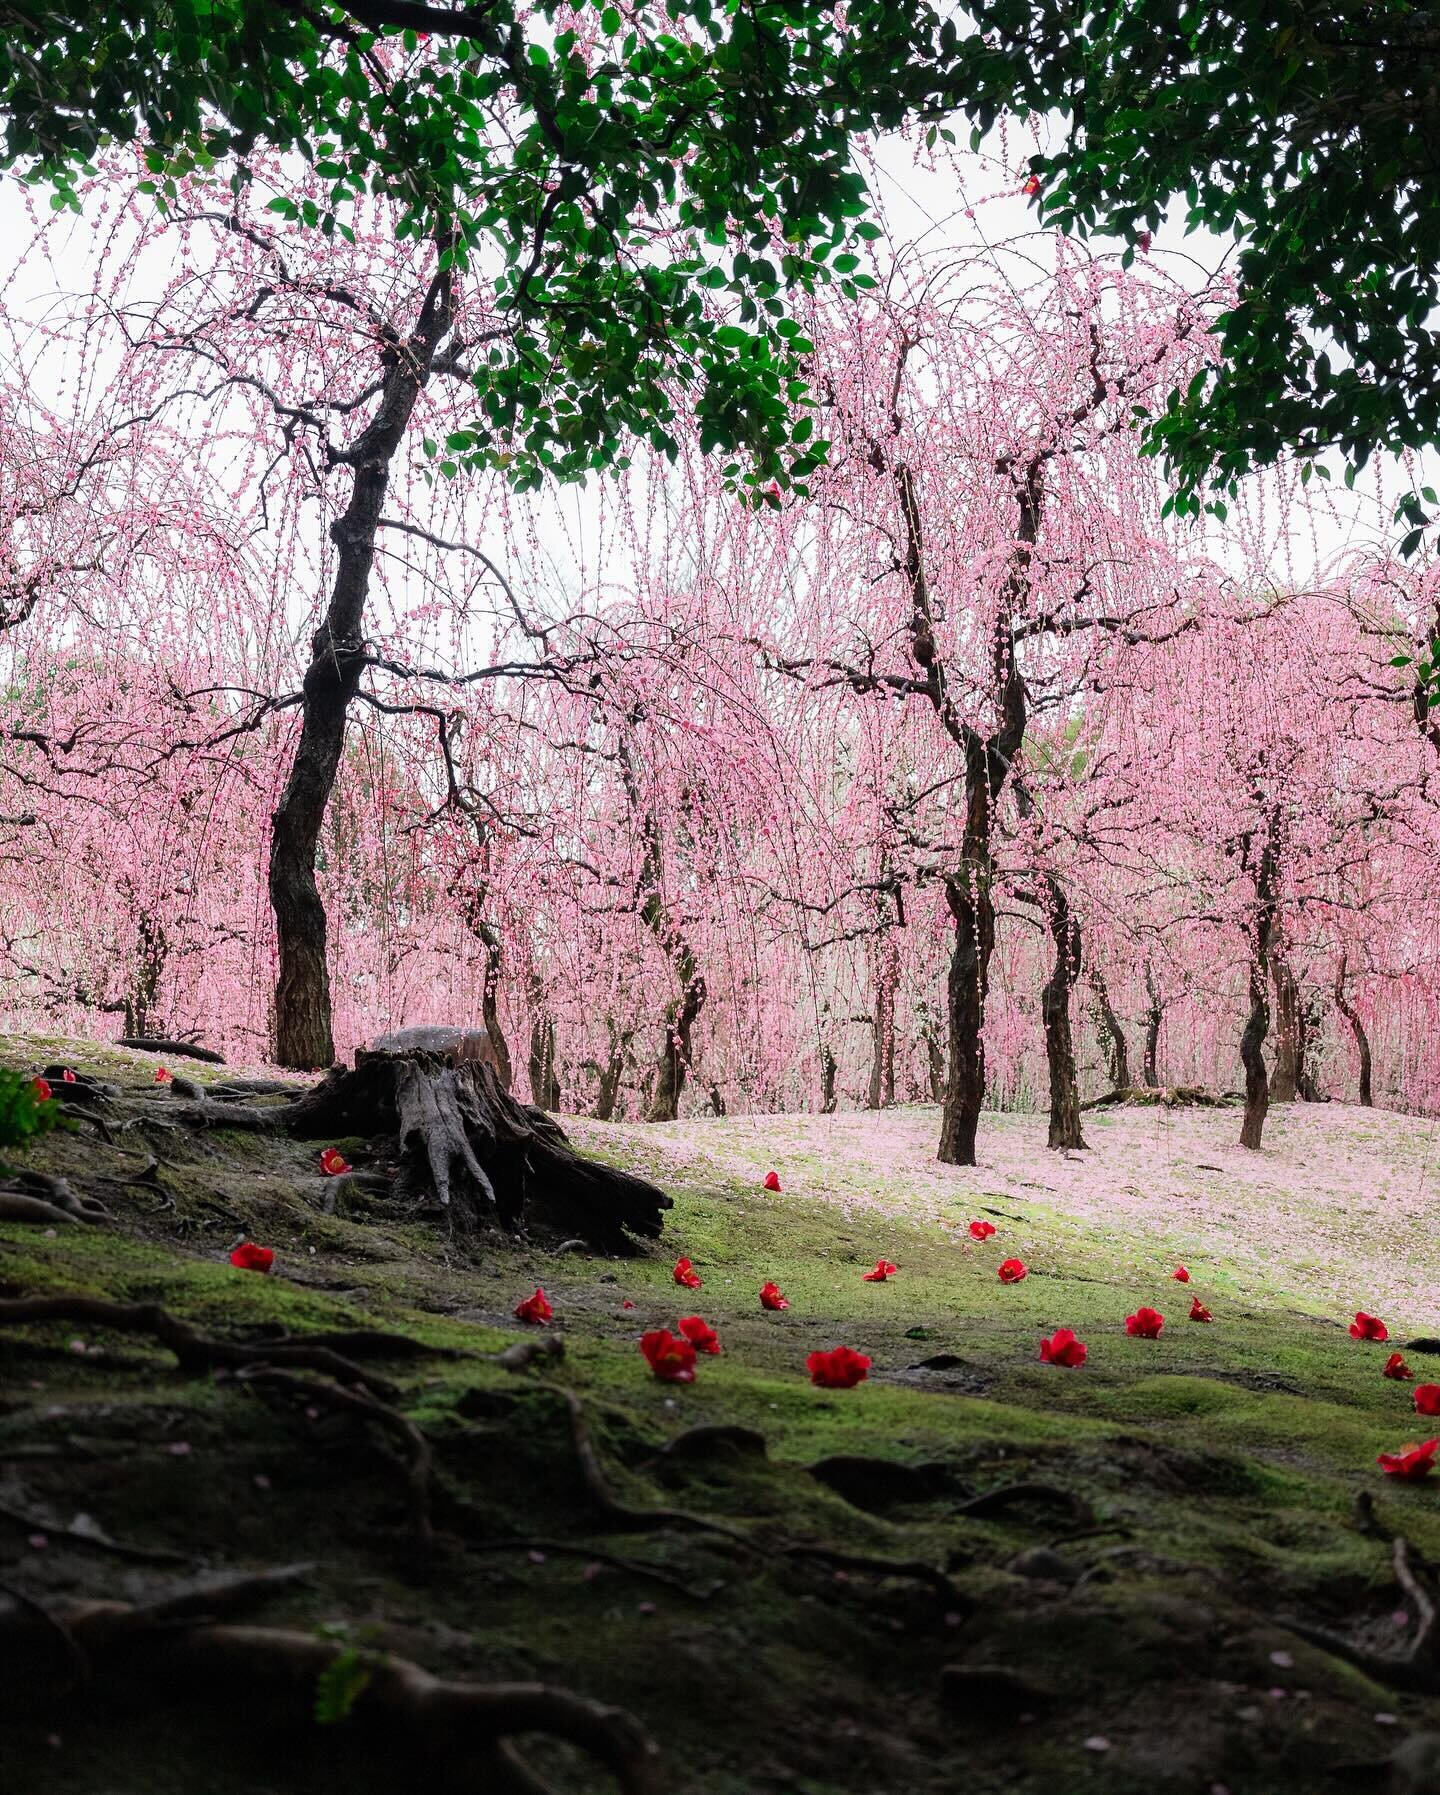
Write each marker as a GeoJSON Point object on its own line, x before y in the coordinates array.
{"type": "Point", "coordinates": [1416, 1765]}
{"type": "Point", "coordinates": [1040, 1561]}
{"type": "Point", "coordinates": [1096, 1742]}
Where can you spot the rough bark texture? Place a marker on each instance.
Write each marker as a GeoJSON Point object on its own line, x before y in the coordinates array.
{"type": "Point", "coordinates": [338, 658]}
{"type": "Point", "coordinates": [610, 1075]}
{"type": "Point", "coordinates": [1154, 1016]}
{"type": "Point", "coordinates": [544, 1076]}
{"type": "Point", "coordinates": [1055, 1014]}
{"type": "Point", "coordinates": [1357, 1028]}
{"type": "Point", "coordinates": [934, 1061]}
{"type": "Point", "coordinates": [881, 1091]}
{"type": "Point", "coordinates": [1289, 1028]}
{"type": "Point", "coordinates": [1112, 1034]}
{"type": "Point", "coordinates": [468, 1146]}
{"type": "Point", "coordinates": [827, 1081]}
{"type": "Point", "coordinates": [1257, 1023]}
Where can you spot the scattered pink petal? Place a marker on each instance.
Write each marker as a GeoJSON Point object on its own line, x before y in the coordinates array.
{"type": "Point", "coordinates": [37, 1542]}
{"type": "Point", "coordinates": [1096, 1742]}
{"type": "Point", "coordinates": [179, 1449]}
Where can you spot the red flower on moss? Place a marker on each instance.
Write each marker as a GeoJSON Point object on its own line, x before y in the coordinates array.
{"type": "Point", "coordinates": [1410, 1463]}
{"type": "Point", "coordinates": [1396, 1367]}
{"type": "Point", "coordinates": [333, 1162]}
{"type": "Point", "coordinates": [161, 1075]}
{"type": "Point", "coordinates": [1180, 1275]}
{"type": "Point", "coordinates": [1145, 1324]}
{"type": "Point", "coordinates": [1427, 1399]}
{"type": "Point", "coordinates": [883, 1270]}
{"type": "Point", "coordinates": [1368, 1327]}
{"type": "Point", "coordinates": [839, 1369]}
{"type": "Point", "coordinates": [981, 1230]}
{"type": "Point", "coordinates": [41, 1088]}
{"type": "Point", "coordinates": [627, 1304]}
{"type": "Point", "coordinates": [686, 1274]}
{"type": "Point", "coordinates": [535, 1308]}
{"type": "Point", "coordinates": [1198, 1311]}
{"type": "Point", "coordinates": [1012, 1270]}
{"type": "Point", "coordinates": [672, 1360]}
{"type": "Point", "coordinates": [772, 1181]}
{"type": "Point", "coordinates": [67, 1076]}
{"type": "Point", "coordinates": [248, 1257]}
{"type": "Point", "coordinates": [699, 1333]}
{"type": "Point", "coordinates": [1062, 1348]}
{"type": "Point", "coordinates": [771, 1296]}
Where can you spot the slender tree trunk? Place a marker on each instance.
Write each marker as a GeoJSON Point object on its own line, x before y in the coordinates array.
{"type": "Point", "coordinates": [967, 894]}
{"type": "Point", "coordinates": [1112, 1035]}
{"type": "Point", "coordinates": [612, 1072]}
{"type": "Point", "coordinates": [675, 1051]}
{"type": "Point", "coordinates": [492, 948]}
{"type": "Point", "coordinates": [1055, 1014]}
{"type": "Point", "coordinates": [1289, 1048]}
{"type": "Point", "coordinates": [934, 1060]}
{"type": "Point", "coordinates": [881, 1094]}
{"type": "Point", "coordinates": [544, 1078]}
{"type": "Point", "coordinates": [1357, 1028]}
{"type": "Point", "coordinates": [827, 1081]}
{"type": "Point", "coordinates": [1154, 1016]}
{"type": "Point", "coordinates": [1257, 1023]}
{"type": "Point", "coordinates": [1309, 1029]}
{"type": "Point", "coordinates": [303, 1038]}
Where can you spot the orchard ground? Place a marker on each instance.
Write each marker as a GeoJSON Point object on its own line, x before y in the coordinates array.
{"type": "Point", "coordinates": [1125, 1625]}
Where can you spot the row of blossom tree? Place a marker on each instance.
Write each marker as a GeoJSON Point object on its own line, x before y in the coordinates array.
{"type": "Point", "coordinates": [969, 775]}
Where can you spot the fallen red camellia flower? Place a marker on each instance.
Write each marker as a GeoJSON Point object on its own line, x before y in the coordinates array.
{"type": "Point", "coordinates": [161, 1075]}
{"type": "Point", "coordinates": [1198, 1311]}
{"type": "Point", "coordinates": [699, 1333]}
{"type": "Point", "coordinates": [770, 1296]}
{"type": "Point", "coordinates": [1145, 1324]}
{"type": "Point", "coordinates": [1427, 1399]}
{"type": "Point", "coordinates": [1180, 1275]}
{"type": "Point", "coordinates": [535, 1308]}
{"type": "Point", "coordinates": [672, 1360]}
{"type": "Point", "coordinates": [627, 1304]}
{"type": "Point", "coordinates": [333, 1162]}
{"type": "Point", "coordinates": [686, 1274]}
{"type": "Point", "coordinates": [248, 1257]}
{"type": "Point", "coordinates": [1411, 1462]}
{"type": "Point", "coordinates": [41, 1088]}
{"type": "Point", "coordinates": [883, 1270]}
{"type": "Point", "coordinates": [772, 1181]}
{"type": "Point", "coordinates": [1368, 1327]}
{"type": "Point", "coordinates": [839, 1369]}
{"type": "Point", "coordinates": [981, 1230]}
{"type": "Point", "coordinates": [1012, 1270]}
{"type": "Point", "coordinates": [1062, 1348]}
{"type": "Point", "coordinates": [1396, 1367]}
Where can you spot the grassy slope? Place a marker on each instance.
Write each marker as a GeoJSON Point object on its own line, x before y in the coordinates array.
{"type": "Point", "coordinates": [1225, 1458]}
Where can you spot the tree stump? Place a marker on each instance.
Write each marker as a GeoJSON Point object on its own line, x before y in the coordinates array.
{"type": "Point", "coordinates": [486, 1158]}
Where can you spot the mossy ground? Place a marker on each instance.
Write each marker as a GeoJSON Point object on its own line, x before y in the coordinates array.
{"type": "Point", "coordinates": [1222, 1461]}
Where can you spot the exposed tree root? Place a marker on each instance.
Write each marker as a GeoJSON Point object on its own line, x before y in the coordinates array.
{"type": "Point", "coordinates": [444, 1720]}
{"type": "Point", "coordinates": [38, 1198]}
{"type": "Point", "coordinates": [195, 1352]}
{"type": "Point", "coordinates": [913, 1569]}
{"type": "Point", "coordinates": [520, 1355]}
{"type": "Point", "coordinates": [419, 1461]}
{"type": "Point", "coordinates": [1418, 1667]}
{"type": "Point", "coordinates": [1008, 1494]}
{"type": "Point", "coordinates": [561, 1548]}
{"type": "Point", "coordinates": [713, 1436]}
{"type": "Point", "coordinates": [190, 1050]}
{"type": "Point", "coordinates": [621, 1514]}
{"type": "Point", "coordinates": [1181, 1096]}
{"type": "Point", "coordinates": [96, 1541]}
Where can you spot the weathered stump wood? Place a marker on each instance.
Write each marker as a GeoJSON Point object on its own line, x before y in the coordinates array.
{"type": "Point", "coordinates": [486, 1158]}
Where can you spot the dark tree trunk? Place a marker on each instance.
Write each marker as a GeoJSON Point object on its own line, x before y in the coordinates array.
{"type": "Point", "coordinates": [1310, 1091]}
{"type": "Point", "coordinates": [1257, 1023]}
{"type": "Point", "coordinates": [1154, 1016]}
{"type": "Point", "coordinates": [544, 1078]}
{"type": "Point", "coordinates": [466, 1146]}
{"type": "Point", "coordinates": [1289, 1026]}
{"type": "Point", "coordinates": [1357, 1028]}
{"type": "Point", "coordinates": [881, 1094]}
{"type": "Point", "coordinates": [1055, 1014]}
{"type": "Point", "coordinates": [934, 1061]}
{"type": "Point", "coordinates": [612, 1072]}
{"type": "Point", "coordinates": [303, 1037]}
{"type": "Point", "coordinates": [827, 1081]}
{"type": "Point", "coordinates": [676, 1049]}
{"type": "Point", "coordinates": [490, 998]}
{"type": "Point", "coordinates": [973, 915]}
{"type": "Point", "coordinates": [717, 1100]}
{"type": "Point", "coordinates": [1112, 1035]}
